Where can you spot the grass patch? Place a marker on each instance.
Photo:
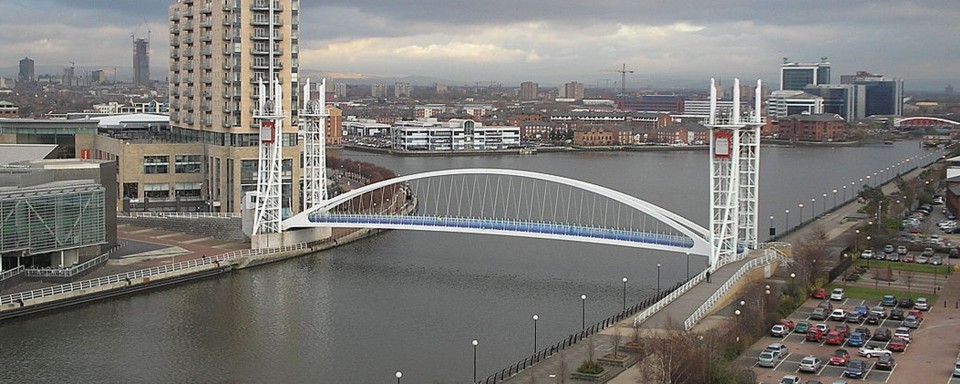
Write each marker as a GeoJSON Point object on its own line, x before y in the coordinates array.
{"type": "Point", "coordinates": [876, 294]}
{"type": "Point", "coordinates": [898, 266]}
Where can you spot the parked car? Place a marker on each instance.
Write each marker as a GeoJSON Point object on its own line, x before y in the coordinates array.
{"type": "Point", "coordinates": [903, 333]}
{"type": "Point", "coordinates": [811, 364]}
{"type": "Point", "coordinates": [922, 259]}
{"type": "Point", "coordinates": [826, 304]}
{"type": "Point", "coordinates": [787, 323]}
{"type": "Point", "coordinates": [893, 257]}
{"type": "Point", "coordinates": [880, 311]}
{"type": "Point", "coordinates": [956, 369]}
{"type": "Point", "coordinates": [856, 340]}
{"type": "Point", "coordinates": [936, 260]}
{"type": "Point", "coordinates": [896, 314]}
{"type": "Point", "coordinates": [872, 351]}
{"type": "Point", "coordinates": [814, 334]}
{"type": "Point", "coordinates": [855, 369]}
{"type": "Point", "coordinates": [888, 248]}
{"type": "Point", "coordinates": [819, 293]}
{"type": "Point", "coordinates": [863, 331]}
{"type": "Point", "coordinates": [854, 317]}
{"type": "Point", "coordinates": [916, 313]}
{"type": "Point", "coordinates": [862, 310]}
{"type": "Point", "coordinates": [778, 348]}
{"type": "Point", "coordinates": [779, 331]}
{"type": "Point", "coordinates": [905, 302]}
{"type": "Point", "coordinates": [802, 327]}
{"type": "Point", "coordinates": [888, 301]}
{"type": "Point", "coordinates": [882, 334]}
{"type": "Point", "coordinates": [902, 249]}
{"type": "Point", "coordinates": [874, 318]}
{"type": "Point", "coordinates": [928, 252]}
{"type": "Point", "coordinates": [833, 338]}
{"type": "Point", "coordinates": [837, 294]}
{"type": "Point", "coordinates": [907, 258]}
{"type": "Point", "coordinates": [819, 314]}
{"type": "Point", "coordinates": [843, 329]}
{"type": "Point", "coordinates": [921, 304]}
{"type": "Point", "coordinates": [838, 315]}
{"type": "Point", "coordinates": [822, 327]}
{"type": "Point", "coordinates": [866, 254]}
{"type": "Point", "coordinates": [840, 357]}
{"type": "Point", "coordinates": [768, 359]}
{"type": "Point", "coordinates": [885, 362]}
{"type": "Point", "coordinates": [897, 344]}
{"type": "Point", "coordinates": [790, 379]}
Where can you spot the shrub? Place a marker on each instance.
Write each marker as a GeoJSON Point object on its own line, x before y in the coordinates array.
{"type": "Point", "coordinates": [590, 367]}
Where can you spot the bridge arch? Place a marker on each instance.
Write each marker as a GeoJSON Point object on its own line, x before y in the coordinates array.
{"type": "Point", "coordinates": [696, 237]}
{"type": "Point", "coordinates": [921, 121]}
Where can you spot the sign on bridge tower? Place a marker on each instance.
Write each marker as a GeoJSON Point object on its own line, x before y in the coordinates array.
{"type": "Point", "coordinates": [734, 177]}
{"type": "Point", "coordinates": [314, 119]}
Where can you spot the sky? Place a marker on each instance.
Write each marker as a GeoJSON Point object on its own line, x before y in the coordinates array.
{"type": "Point", "coordinates": [679, 43]}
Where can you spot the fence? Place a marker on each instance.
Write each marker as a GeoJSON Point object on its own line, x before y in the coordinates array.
{"type": "Point", "coordinates": [513, 369]}
{"type": "Point", "coordinates": [224, 215]}
{"type": "Point", "coordinates": [74, 270]}
{"type": "Point", "coordinates": [141, 273]}
{"type": "Point", "coordinates": [11, 273]}
{"type": "Point", "coordinates": [770, 255]}
{"type": "Point", "coordinates": [656, 307]}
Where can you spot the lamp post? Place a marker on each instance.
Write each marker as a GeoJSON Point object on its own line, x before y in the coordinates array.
{"type": "Point", "coordinates": [737, 312]}
{"type": "Point", "coordinates": [625, 287]}
{"type": "Point", "coordinates": [813, 209]}
{"type": "Point", "coordinates": [658, 279]}
{"type": "Point", "coordinates": [835, 198]}
{"type": "Point", "coordinates": [399, 375]}
{"type": "Point", "coordinates": [844, 193]}
{"type": "Point", "coordinates": [793, 283]}
{"type": "Point", "coordinates": [800, 211]}
{"type": "Point", "coordinates": [856, 246]}
{"type": "Point", "coordinates": [773, 230]}
{"type": "Point", "coordinates": [535, 318]}
{"type": "Point", "coordinates": [823, 209]}
{"type": "Point", "coordinates": [786, 220]}
{"type": "Point", "coordinates": [688, 265]}
{"type": "Point", "coordinates": [583, 312]}
{"type": "Point", "coordinates": [475, 342]}
{"type": "Point", "coordinates": [763, 305]}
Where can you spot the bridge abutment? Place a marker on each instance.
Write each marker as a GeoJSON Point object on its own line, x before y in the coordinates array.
{"type": "Point", "coordinates": [290, 237]}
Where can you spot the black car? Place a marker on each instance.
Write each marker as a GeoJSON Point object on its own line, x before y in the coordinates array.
{"type": "Point", "coordinates": [905, 302]}
{"type": "Point", "coordinates": [874, 318]}
{"type": "Point", "coordinates": [896, 314]}
{"type": "Point", "coordinates": [885, 362]}
{"type": "Point", "coordinates": [882, 334]}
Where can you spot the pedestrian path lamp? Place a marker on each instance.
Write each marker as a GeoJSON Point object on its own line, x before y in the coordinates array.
{"type": "Point", "coordinates": [535, 318]}
{"type": "Point", "coordinates": [399, 375]}
{"type": "Point", "coordinates": [835, 197]}
{"type": "Point", "coordinates": [813, 209]}
{"type": "Point", "coordinates": [823, 208]}
{"type": "Point", "coordinates": [475, 342]}
{"type": "Point", "coordinates": [658, 278]}
{"type": "Point", "coordinates": [583, 312]}
{"type": "Point", "coordinates": [844, 193]}
{"type": "Point", "coordinates": [773, 230]}
{"type": "Point", "coordinates": [737, 312]}
{"type": "Point", "coordinates": [786, 220]}
{"type": "Point", "coordinates": [625, 286]}
{"type": "Point", "coordinates": [800, 211]}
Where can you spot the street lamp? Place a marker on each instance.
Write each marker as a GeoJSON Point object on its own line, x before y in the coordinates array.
{"type": "Point", "coordinates": [823, 209]}
{"type": "Point", "coordinates": [800, 211]}
{"type": "Point", "coordinates": [535, 318]}
{"type": "Point", "coordinates": [399, 375]}
{"type": "Point", "coordinates": [658, 278]}
{"type": "Point", "coordinates": [583, 312]}
{"type": "Point", "coordinates": [625, 287]}
{"type": "Point", "coordinates": [688, 265]}
{"type": "Point", "coordinates": [475, 342]}
{"type": "Point", "coordinates": [844, 193]}
{"type": "Point", "coordinates": [835, 198]}
{"type": "Point", "coordinates": [786, 220]}
{"type": "Point", "coordinates": [813, 209]}
{"type": "Point", "coordinates": [773, 230]}
{"type": "Point", "coordinates": [856, 246]}
{"type": "Point", "coordinates": [737, 312]}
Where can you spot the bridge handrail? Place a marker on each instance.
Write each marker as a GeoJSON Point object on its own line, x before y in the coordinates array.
{"type": "Point", "coordinates": [11, 273]}
{"type": "Point", "coordinates": [74, 270]}
{"type": "Point", "coordinates": [666, 300]}
{"type": "Point", "coordinates": [220, 215]}
{"type": "Point", "coordinates": [769, 255]}
{"type": "Point", "coordinates": [141, 273]}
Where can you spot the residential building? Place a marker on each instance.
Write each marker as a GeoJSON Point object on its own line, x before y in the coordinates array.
{"type": "Point", "coordinates": [572, 90]}
{"type": "Point", "coordinates": [429, 110]}
{"type": "Point", "coordinates": [701, 108]}
{"type": "Point", "coordinates": [529, 91]}
{"type": "Point", "coordinates": [595, 136]}
{"type": "Point", "coordinates": [809, 127]}
{"type": "Point", "coordinates": [98, 76]}
{"type": "Point", "coordinates": [8, 110]}
{"type": "Point", "coordinates": [333, 130]}
{"type": "Point", "coordinates": [883, 96]}
{"type": "Point", "coordinates": [141, 62]}
{"type": "Point", "coordinates": [378, 90]}
{"type": "Point", "coordinates": [452, 135]}
{"type": "Point", "coordinates": [340, 91]}
{"type": "Point", "coordinates": [652, 103]}
{"type": "Point", "coordinates": [401, 90]}
{"type": "Point", "coordinates": [796, 76]}
{"type": "Point", "coordinates": [683, 134]}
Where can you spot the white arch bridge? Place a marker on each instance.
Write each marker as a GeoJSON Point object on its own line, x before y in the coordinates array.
{"type": "Point", "coordinates": [511, 203]}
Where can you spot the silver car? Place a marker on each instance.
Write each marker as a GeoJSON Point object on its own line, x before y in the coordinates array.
{"type": "Point", "coordinates": [811, 364]}
{"type": "Point", "coordinates": [768, 359]}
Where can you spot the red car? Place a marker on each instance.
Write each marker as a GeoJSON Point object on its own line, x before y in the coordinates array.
{"type": "Point", "coordinates": [897, 345]}
{"type": "Point", "coordinates": [834, 338]}
{"type": "Point", "coordinates": [917, 313]}
{"type": "Point", "coordinates": [814, 334]}
{"type": "Point", "coordinates": [843, 329]}
{"type": "Point", "coordinates": [819, 293]}
{"type": "Point", "coordinates": [840, 357]}
{"type": "Point", "coordinates": [788, 323]}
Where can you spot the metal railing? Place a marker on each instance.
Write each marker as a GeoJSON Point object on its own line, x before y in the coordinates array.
{"type": "Point", "coordinates": [769, 255]}
{"type": "Point", "coordinates": [11, 273]}
{"type": "Point", "coordinates": [221, 215]}
{"type": "Point", "coordinates": [666, 300]}
{"type": "Point", "coordinates": [141, 273]}
{"type": "Point", "coordinates": [74, 270]}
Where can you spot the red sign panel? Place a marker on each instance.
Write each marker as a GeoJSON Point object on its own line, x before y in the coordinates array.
{"type": "Point", "coordinates": [722, 144]}
{"type": "Point", "coordinates": [266, 132]}
{"type": "Point", "coordinates": [85, 154]}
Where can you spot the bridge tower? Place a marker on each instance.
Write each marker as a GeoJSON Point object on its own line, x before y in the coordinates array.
{"type": "Point", "coordinates": [734, 177]}
{"type": "Point", "coordinates": [270, 162]}
{"type": "Point", "coordinates": [313, 121]}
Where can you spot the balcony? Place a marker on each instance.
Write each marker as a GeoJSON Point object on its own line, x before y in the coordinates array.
{"type": "Point", "coordinates": [174, 54]}
{"type": "Point", "coordinates": [188, 66]}
{"type": "Point", "coordinates": [187, 40]}
{"type": "Point", "coordinates": [206, 37]}
{"type": "Point", "coordinates": [208, 121]}
{"type": "Point", "coordinates": [206, 94]}
{"type": "Point", "coordinates": [207, 80]}
{"type": "Point", "coordinates": [206, 8]}
{"type": "Point", "coordinates": [205, 107]}
{"type": "Point", "coordinates": [206, 51]}
{"type": "Point", "coordinates": [175, 16]}
{"type": "Point", "coordinates": [262, 5]}
{"type": "Point", "coordinates": [189, 81]}
{"type": "Point", "coordinates": [188, 26]}
{"type": "Point", "coordinates": [175, 30]}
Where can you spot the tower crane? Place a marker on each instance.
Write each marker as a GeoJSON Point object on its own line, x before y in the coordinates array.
{"type": "Point", "coordinates": [623, 77]}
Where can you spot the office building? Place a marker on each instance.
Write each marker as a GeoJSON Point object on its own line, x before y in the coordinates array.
{"type": "Point", "coordinates": [141, 62]}
{"type": "Point", "coordinates": [883, 96]}
{"type": "Point", "coordinates": [784, 103]}
{"type": "Point", "coordinates": [453, 135]}
{"type": "Point", "coordinates": [846, 100]}
{"type": "Point", "coordinates": [796, 76]}
{"type": "Point", "coordinates": [219, 54]}
{"type": "Point", "coordinates": [529, 91]}
{"type": "Point", "coordinates": [27, 74]}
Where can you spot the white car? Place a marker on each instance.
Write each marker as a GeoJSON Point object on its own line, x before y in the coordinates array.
{"type": "Point", "coordinates": [866, 254]}
{"type": "Point", "coordinates": [838, 315]}
{"type": "Point", "coordinates": [790, 379]}
{"type": "Point", "coordinates": [811, 364]}
{"type": "Point", "coordinates": [903, 333]}
{"type": "Point", "coordinates": [837, 294]}
{"type": "Point", "coordinates": [873, 351]}
{"type": "Point", "coordinates": [921, 304]}
{"type": "Point", "coordinates": [901, 250]}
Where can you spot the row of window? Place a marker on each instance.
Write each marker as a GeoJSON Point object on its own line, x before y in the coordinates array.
{"type": "Point", "coordinates": [159, 164]}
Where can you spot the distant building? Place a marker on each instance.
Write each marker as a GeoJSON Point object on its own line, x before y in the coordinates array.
{"type": "Point", "coordinates": [98, 76]}
{"type": "Point", "coordinates": [809, 127]}
{"type": "Point", "coordinates": [453, 135]}
{"type": "Point", "coordinates": [702, 107]}
{"type": "Point", "coordinates": [401, 90]}
{"type": "Point", "coordinates": [340, 90]}
{"type": "Point", "coordinates": [429, 110]}
{"type": "Point", "coordinates": [8, 110]}
{"type": "Point", "coordinates": [595, 136]}
{"type": "Point", "coordinates": [846, 100]}
{"type": "Point", "coordinates": [334, 126]}
{"type": "Point", "coordinates": [883, 96]}
{"type": "Point", "coordinates": [784, 103]}
{"type": "Point", "coordinates": [440, 89]}
{"type": "Point", "coordinates": [529, 91]}
{"type": "Point", "coordinates": [572, 90]}
{"type": "Point", "coordinates": [141, 62]}
{"type": "Point", "coordinates": [378, 90]}
{"type": "Point", "coordinates": [652, 103]}
{"type": "Point", "coordinates": [27, 73]}
{"type": "Point", "coordinates": [796, 76]}
{"type": "Point", "coordinates": [685, 134]}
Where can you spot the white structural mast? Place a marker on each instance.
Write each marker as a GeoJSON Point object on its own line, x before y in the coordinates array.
{"type": "Point", "coordinates": [270, 115]}
{"type": "Point", "coordinates": [734, 177]}
{"type": "Point", "coordinates": [313, 117]}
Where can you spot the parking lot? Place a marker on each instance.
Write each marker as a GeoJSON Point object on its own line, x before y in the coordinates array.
{"type": "Point", "coordinates": [799, 347]}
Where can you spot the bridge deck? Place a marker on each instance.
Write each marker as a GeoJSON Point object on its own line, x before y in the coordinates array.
{"type": "Point", "coordinates": [507, 225]}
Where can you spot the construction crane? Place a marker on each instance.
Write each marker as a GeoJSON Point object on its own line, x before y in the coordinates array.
{"type": "Point", "coordinates": [623, 77]}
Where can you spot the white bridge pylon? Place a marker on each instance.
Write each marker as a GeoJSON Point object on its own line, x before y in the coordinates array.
{"type": "Point", "coordinates": [695, 237]}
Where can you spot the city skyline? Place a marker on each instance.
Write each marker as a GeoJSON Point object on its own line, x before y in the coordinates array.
{"type": "Point", "coordinates": [668, 45]}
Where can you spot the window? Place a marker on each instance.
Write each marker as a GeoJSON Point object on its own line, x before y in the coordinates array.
{"type": "Point", "coordinates": [131, 190]}
{"type": "Point", "coordinates": [188, 190]}
{"type": "Point", "coordinates": [156, 164]}
{"type": "Point", "coordinates": [187, 164]}
{"type": "Point", "coordinates": [156, 191]}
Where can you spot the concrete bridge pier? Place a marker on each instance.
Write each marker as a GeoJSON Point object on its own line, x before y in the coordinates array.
{"type": "Point", "coordinates": [290, 237]}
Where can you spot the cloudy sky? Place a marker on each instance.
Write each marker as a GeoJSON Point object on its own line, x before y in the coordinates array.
{"type": "Point", "coordinates": [674, 43]}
